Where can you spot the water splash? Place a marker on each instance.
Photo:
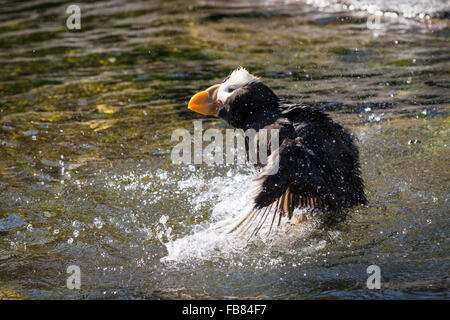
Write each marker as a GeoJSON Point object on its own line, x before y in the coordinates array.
{"type": "Point", "coordinates": [211, 239]}
{"type": "Point", "coordinates": [405, 8]}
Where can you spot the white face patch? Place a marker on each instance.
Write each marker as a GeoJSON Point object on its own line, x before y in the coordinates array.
{"type": "Point", "coordinates": [238, 79]}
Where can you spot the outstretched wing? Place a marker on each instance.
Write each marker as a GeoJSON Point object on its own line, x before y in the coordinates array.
{"type": "Point", "coordinates": [302, 179]}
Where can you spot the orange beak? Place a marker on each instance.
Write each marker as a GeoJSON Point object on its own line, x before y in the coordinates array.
{"type": "Point", "coordinates": [205, 102]}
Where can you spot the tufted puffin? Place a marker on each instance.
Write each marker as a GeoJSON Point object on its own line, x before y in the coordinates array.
{"type": "Point", "coordinates": [318, 162]}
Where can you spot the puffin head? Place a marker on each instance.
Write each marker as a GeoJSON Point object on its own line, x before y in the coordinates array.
{"type": "Point", "coordinates": [240, 99]}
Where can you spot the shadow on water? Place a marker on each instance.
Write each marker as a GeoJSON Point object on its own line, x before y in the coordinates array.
{"type": "Point", "coordinates": [85, 124]}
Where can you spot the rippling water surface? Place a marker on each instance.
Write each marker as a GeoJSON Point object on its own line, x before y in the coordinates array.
{"type": "Point", "coordinates": [85, 124]}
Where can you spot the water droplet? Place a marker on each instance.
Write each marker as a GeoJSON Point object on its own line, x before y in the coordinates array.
{"type": "Point", "coordinates": [98, 223]}
{"type": "Point", "coordinates": [163, 219]}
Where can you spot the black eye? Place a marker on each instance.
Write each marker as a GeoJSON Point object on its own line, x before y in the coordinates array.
{"type": "Point", "coordinates": [230, 90]}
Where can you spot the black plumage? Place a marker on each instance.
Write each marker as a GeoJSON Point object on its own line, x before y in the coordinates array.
{"type": "Point", "coordinates": [317, 158]}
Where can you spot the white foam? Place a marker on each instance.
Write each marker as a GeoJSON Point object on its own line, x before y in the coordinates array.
{"type": "Point", "coordinates": [406, 8]}
{"type": "Point", "coordinates": [211, 239]}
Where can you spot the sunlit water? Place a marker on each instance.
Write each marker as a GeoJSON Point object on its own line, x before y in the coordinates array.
{"type": "Point", "coordinates": [86, 119]}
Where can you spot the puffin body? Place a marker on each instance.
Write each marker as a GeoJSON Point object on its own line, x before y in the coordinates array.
{"type": "Point", "coordinates": [318, 162]}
